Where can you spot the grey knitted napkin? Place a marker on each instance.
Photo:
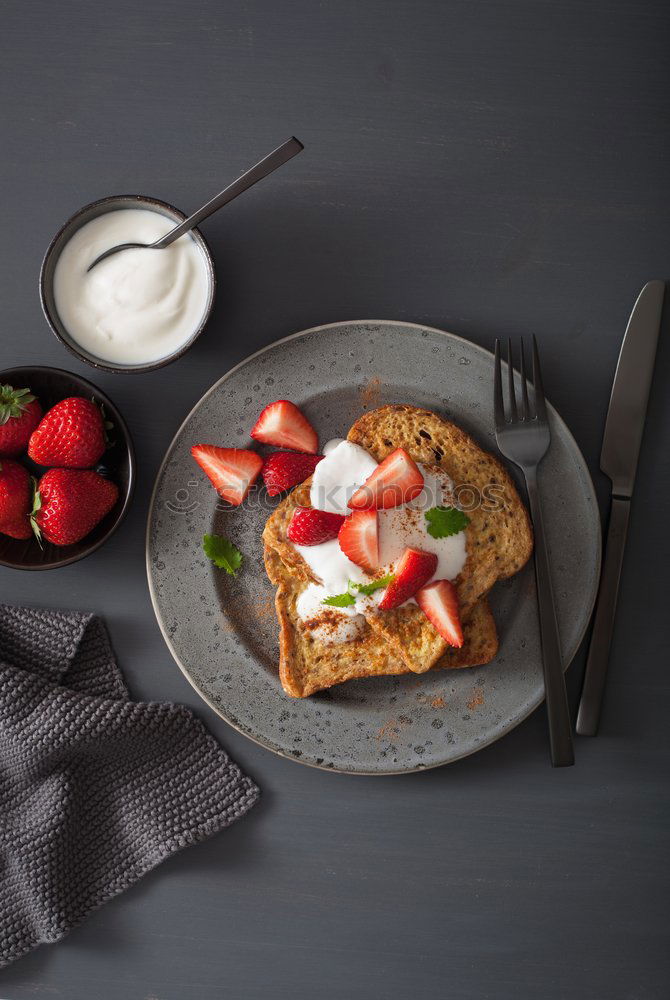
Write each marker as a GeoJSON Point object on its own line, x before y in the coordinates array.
{"type": "Point", "coordinates": [95, 789]}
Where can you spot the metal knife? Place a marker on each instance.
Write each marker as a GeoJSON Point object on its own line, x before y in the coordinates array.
{"type": "Point", "coordinates": [618, 460]}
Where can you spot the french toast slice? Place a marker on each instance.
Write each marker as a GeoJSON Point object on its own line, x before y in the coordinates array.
{"type": "Point", "coordinates": [276, 527]}
{"type": "Point", "coordinates": [498, 537]}
{"type": "Point", "coordinates": [307, 665]}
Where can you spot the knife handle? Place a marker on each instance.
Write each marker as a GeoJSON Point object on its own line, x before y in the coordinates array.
{"type": "Point", "coordinates": [603, 622]}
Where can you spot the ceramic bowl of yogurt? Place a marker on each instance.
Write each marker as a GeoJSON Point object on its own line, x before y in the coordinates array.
{"type": "Point", "coordinates": [138, 310]}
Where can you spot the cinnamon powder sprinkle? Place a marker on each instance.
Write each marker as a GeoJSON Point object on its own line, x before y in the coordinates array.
{"type": "Point", "coordinates": [327, 621]}
{"type": "Point", "coordinates": [263, 608]}
{"type": "Point", "coordinates": [371, 392]}
{"type": "Point", "coordinates": [391, 728]}
{"type": "Point", "coordinates": [477, 699]}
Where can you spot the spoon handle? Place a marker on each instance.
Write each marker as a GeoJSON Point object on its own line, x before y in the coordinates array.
{"type": "Point", "coordinates": [280, 155]}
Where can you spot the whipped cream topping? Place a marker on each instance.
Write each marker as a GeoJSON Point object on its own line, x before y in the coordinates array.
{"type": "Point", "coordinates": [345, 468]}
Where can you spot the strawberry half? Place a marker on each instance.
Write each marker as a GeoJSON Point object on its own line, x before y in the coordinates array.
{"type": "Point", "coordinates": [359, 539]}
{"type": "Point", "coordinates": [396, 480]}
{"type": "Point", "coordinates": [310, 526]}
{"type": "Point", "coordinates": [439, 603]}
{"type": "Point", "coordinates": [70, 435]}
{"type": "Point", "coordinates": [20, 413]}
{"type": "Point", "coordinates": [15, 494]}
{"type": "Point", "coordinates": [413, 571]}
{"type": "Point", "coordinates": [69, 503]}
{"type": "Point", "coordinates": [282, 424]}
{"type": "Point", "coordinates": [232, 471]}
{"type": "Point", "coordinates": [285, 469]}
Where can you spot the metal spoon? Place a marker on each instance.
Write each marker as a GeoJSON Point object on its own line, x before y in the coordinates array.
{"type": "Point", "coordinates": [266, 166]}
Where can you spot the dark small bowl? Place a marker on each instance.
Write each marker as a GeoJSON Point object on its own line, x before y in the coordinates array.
{"type": "Point", "coordinates": [50, 385]}
{"type": "Point", "coordinates": [79, 219]}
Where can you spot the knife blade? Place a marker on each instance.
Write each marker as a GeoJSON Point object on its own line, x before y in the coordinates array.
{"type": "Point", "coordinates": [622, 438]}
{"type": "Point", "coordinates": [630, 391]}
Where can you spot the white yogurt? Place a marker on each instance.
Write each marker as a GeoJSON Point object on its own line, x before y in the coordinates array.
{"type": "Point", "coordinates": [336, 479]}
{"type": "Point", "coordinates": [331, 445]}
{"type": "Point", "coordinates": [345, 468]}
{"type": "Point", "coordinates": [405, 526]}
{"type": "Point", "coordinates": [138, 306]}
{"type": "Point", "coordinates": [325, 623]}
{"type": "Point", "coordinates": [329, 564]}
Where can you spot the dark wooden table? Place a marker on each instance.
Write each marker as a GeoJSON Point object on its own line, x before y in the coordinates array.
{"type": "Point", "coordinates": [486, 167]}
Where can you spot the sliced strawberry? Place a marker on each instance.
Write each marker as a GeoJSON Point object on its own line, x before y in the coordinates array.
{"type": "Point", "coordinates": [413, 571]}
{"type": "Point", "coordinates": [396, 480]}
{"type": "Point", "coordinates": [310, 526]}
{"type": "Point", "coordinates": [282, 424]}
{"type": "Point", "coordinates": [359, 539]}
{"type": "Point", "coordinates": [284, 469]}
{"type": "Point", "coordinates": [232, 471]}
{"type": "Point", "coordinates": [439, 603]}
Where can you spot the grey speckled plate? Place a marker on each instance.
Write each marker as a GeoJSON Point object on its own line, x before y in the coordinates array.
{"type": "Point", "coordinates": [222, 631]}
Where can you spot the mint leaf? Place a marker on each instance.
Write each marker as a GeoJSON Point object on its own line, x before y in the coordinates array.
{"type": "Point", "coordinates": [369, 588]}
{"type": "Point", "coordinates": [340, 600]}
{"type": "Point", "coordinates": [222, 553]}
{"type": "Point", "coordinates": [445, 521]}
{"type": "Point", "coordinates": [347, 599]}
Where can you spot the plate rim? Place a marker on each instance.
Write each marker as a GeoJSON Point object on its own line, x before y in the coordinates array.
{"type": "Point", "coordinates": [154, 601]}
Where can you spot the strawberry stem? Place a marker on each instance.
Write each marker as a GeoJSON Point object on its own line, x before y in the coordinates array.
{"type": "Point", "coordinates": [107, 424]}
{"type": "Point", "coordinates": [13, 402]}
{"type": "Point", "coordinates": [36, 507]}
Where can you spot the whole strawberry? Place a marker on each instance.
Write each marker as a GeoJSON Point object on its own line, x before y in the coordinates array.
{"type": "Point", "coordinates": [20, 414]}
{"type": "Point", "coordinates": [15, 499]}
{"type": "Point", "coordinates": [70, 435]}
{"type": "Point", "coordinates": [70, 502]}
{"type": "Point", "coordinates": [18, 529]}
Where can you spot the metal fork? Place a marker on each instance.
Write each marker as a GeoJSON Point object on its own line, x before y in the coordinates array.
{"type": "Point", "coordinates": [523, 436]}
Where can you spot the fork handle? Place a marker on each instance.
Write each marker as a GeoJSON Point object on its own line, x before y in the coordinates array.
{"type": "Point", "coordinates": [558, 712]}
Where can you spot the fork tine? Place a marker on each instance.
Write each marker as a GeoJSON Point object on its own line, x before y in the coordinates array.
{"type": "Point", "coordinates": [498, 407]}
{"type": "Point", "coordinates": [510, 381]}
{"type": "Point", "coordinates": [525, 407]}
{"type": "Point", "coordinates": [540, 408]}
